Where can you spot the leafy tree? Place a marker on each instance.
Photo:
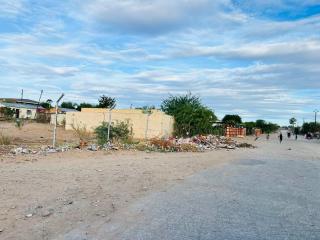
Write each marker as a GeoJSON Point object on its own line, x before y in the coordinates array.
{"type": "Point", "coordinates": [310, 127]}
{"type": "Point", "coordinates": [266, 127]}
{"type": "Point", "coordinates": [85, 105]}
{"type": "Point", "coordinates": [107, 102]}
{"type": "Point", "coordinates": [292, 121]}
{"type": "Point", "coordinates": [47, 104]}
{"type": "Point", "coordinates": [191, 117]}
{"type": "Point", "coordinates": [69, 105]}
{"type": "Point", "coordinates": [232, 120]}
{"type": "Point", "coordinates": [250, 126]}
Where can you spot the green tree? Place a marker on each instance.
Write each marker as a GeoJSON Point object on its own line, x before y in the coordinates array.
{"type": "Point", "coordinates": [232, 120]}
{"type": "Point", "coordinates": [310, 127]}
{"type": "Point", "coordinates": [46, 104]}
{"type": "Point", "coordinates": [85, 105]}
{"type": "Point", "coordinates": [250, 126]}
{"type": "Point", "coordinates": [107, 102]}
{"type": "Point", "coordinates": [69, 105]}
{"type": "Point", "coordinates": [292, 122]}
{"type": "Point", "coordinates": [191, 117]}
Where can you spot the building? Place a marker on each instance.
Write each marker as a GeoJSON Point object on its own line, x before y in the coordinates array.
{"type": "Point", "coordinates": [24, 108]}
{"type": "Point", "coordinates": [157, 124]}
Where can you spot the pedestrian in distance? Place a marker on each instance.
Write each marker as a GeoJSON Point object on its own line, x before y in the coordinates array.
{"type": "Point", "coordinates": [280, 137]}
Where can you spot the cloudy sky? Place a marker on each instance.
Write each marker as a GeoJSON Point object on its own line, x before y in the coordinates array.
{"type": "Point", "coordinates": [256, 58]}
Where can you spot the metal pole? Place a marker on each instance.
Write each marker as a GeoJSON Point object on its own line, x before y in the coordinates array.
{"type": "Point", "coordinates": [315, 116]}
{"type": "Point", "coordinates": [55, 122]}
{"type": "Point", "coordinates": [147, 126]}
{"type": "Point", "coordinates": [109, 124]}
{"type": "Point", "coordinates": [38, 104]}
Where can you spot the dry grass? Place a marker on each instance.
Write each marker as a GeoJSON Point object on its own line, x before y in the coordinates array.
{"type": "Point", "coordinates": [5, 140]}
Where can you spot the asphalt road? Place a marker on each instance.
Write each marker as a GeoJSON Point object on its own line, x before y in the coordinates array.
{"type": "Point", "coordinates": [252, 198]}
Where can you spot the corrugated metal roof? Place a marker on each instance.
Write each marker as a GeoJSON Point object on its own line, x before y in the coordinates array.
{"type": "Point", "coordinates": [18, 100]}
{"type": "Point", "coordinates": [19, 105]}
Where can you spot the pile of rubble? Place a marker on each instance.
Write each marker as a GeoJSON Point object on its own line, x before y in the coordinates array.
{"type": "Point", "coordinates": [43, 150]}
{"type": "Point", "coordinates": [193, 144]}
{"type": "Point", "coordinates": [196, 144]}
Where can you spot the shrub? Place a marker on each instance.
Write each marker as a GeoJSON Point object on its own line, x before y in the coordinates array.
{"type": "Point", "coordinates": [8, 113]}
{"type": "Point", "coordinates": [118, 132]}
{"type": "Point", "coordinates": [19, 123]}
{"type": "Point", "coordinates": [5, 140]}
{"type": "Point", "coordinates": [83, 134]}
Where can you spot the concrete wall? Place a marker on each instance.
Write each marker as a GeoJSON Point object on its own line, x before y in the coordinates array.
{"type": "Point", "coordinates": [160, 124]}
{"type": "Point", "coordinates": [61, 118]}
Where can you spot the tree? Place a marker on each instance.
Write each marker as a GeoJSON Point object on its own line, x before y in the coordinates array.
{"type": "Point", "coordinates": [85, 105]}
{"type": "Point", "coordinates": [191, 117]}
{"type": "Point", "coordinates": [69, 105]}
{"type": "Point", "coordinates": [250, 126]}
{"type": "Point", "coordinates": [232, 120]}
{"type": "Point", "coordinates": [47, 104]}
{"type": "Point", "coordinates": [310, 127]}
{"type": "Point", "coordinates": [266, 127]}
{"type": "Point", "coordinates": [107, 102]}
{"type": "Point", "coordinates": [292, 121]}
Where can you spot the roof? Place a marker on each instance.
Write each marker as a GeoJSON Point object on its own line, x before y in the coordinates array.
{"type": "Point", "coordinates": [19, 105]}
{"type": "Point", "coordinates": [18, 100]}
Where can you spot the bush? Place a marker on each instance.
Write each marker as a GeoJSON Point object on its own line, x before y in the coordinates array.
{"type": "Point", "coordinates": [118, 132]}
{"type": "Point", "coordinates": [8, 113]}
{"type": "Point", "coordinates": [83, 134]}
{"type": "Point", "coordinates": [5, 140]}
{"type": "Point", "coordinates": [19, 123]}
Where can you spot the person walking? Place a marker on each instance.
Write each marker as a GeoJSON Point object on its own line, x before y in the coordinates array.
{"type": "Point", "coordinates": [280, 137]}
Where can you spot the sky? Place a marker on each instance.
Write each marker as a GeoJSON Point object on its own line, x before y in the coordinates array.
{"type": "Point", "coordinates": [256, 58]}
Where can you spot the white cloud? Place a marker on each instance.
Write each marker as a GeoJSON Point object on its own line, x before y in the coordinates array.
{"type": "Point", "coordinates": [11, 8]}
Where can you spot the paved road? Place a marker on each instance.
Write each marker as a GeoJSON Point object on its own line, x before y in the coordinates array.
{"type": "Point", "coordinates": [246, 199]}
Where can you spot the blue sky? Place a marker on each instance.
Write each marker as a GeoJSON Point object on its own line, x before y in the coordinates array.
{"type": "Point", "coordinates": [256, 58]}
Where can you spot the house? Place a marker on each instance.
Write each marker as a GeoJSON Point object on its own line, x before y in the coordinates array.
{"type": "Point", "coordinates": [24, 108]}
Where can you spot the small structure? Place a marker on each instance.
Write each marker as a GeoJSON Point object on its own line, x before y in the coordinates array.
{"type": "Point", "coordinates": [24, 108]}
{"type": "Point", "coordinates": [235, 132]}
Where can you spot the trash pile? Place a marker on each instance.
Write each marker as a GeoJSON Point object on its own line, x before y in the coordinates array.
{"type": "Point", "coordinates": [43, 150]}
{"type": "Point", "coordinates": [193, 144]}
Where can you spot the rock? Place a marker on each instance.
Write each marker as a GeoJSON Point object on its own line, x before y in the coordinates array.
{"type": "Point", "coordinates": [47, 213]}
{"type": "Point", "coordinates": [29, 215]}
{"type": "Point", "coordinates": [1, 230]}
{"type": "Point", "coordinates": [52, 150]}
{"type": "Point", "coordinates": [93, 147]}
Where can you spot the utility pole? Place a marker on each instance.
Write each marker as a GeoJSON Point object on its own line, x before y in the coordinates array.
{"type": "Point", "coordinates": [109, 122]}
{"type": "Point", "coordinates": [38, 104]}
{"type": "Point", "coordinates": [56, 122]}
{"type": "Point", "coordinates": [21, 94]}
{"type": "Point", "coordinates": [315, 116]}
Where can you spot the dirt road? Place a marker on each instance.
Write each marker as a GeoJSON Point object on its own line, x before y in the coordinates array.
{"type": "Point", "coordinates": [48, 197]}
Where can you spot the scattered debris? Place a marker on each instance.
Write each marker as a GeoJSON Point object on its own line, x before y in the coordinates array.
{"type": "Point", "coordinates": [47, 213]}
{"type": "Point", "coordinates": [198, 143]}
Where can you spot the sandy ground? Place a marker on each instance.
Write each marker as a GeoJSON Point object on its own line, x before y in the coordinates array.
{"type": "Point", "coordinates": [44, 197]}
{"type": "Point", "coordinates": [35, 134]}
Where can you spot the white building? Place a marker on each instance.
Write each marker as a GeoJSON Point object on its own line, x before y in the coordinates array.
{"type": "Point", "coordinates": [24, 108]}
